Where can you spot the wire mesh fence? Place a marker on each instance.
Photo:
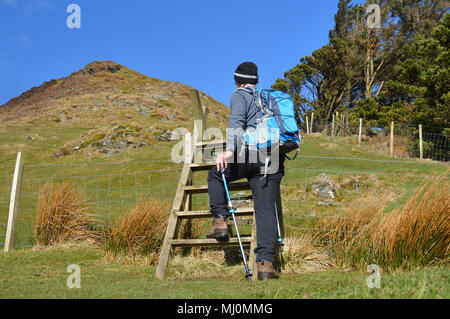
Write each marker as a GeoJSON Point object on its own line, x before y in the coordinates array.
{"type": "Point", "coordinates": [5, 189]}
{"type": "Point", "coordinates": [106, 195]}
{"type": "Point", "coordinates": [308, 193]}
{"type": "Point", "coordinates": [435, 146]}
{"type": "Point", "coordinates": [406, 138]}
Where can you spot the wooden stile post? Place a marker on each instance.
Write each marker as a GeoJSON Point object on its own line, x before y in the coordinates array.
{"type": "Point", "coordinates": [197, 109]}
{"type": "Point", "coordinates": [420, 141]}
{"type": "Point", "coordinates": [199, 113]}
{"type": "Point", "coordinates": [10, 240]}
{"type": "Point", "coordinates": [360, 132]}
{"type": "Point", "coordinates": [312, 120]}
{"type": "Point", "coordinates": [391, 152]}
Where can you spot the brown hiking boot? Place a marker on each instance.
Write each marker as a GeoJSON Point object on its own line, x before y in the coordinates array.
{"type": "Point", "coordinates": [266, 270]}
{"type": "Point", "coordinates": [219, 229]}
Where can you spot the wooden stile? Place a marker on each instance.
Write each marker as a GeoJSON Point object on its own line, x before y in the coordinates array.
{"type": "Point", "coordinates": [181, 208]}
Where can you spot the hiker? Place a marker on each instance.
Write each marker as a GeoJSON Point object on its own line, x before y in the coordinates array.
{"type": "Point", "coordinates": [264, 184]}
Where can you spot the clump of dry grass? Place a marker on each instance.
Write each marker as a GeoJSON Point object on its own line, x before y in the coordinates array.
{"type": "Point", "coordinates": [62, 216]}
{"type": "Point", "coordinates": [140, 231]}
{"type": "Point", "coordinates": [420, 231]}
{"type": "Point", "coordinates": [417, 234]}
{"type": "Point", "coordinates": [302, 254]}
{"type": "Point", "coordinates": [207, 265]}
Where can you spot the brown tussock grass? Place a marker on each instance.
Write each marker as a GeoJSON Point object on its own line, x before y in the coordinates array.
{"type": "Point", "coordinates": [140, 231]}
{"type": "Point", "coordinates": [302, 254]}
{"type": "Point", "coordinates": [62, 216]}
{"type": "Point", "coordinates": [420, 231]}
{"type": "Point", "coordinates": [416, 234]}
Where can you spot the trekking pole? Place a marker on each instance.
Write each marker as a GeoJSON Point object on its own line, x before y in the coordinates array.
{"type": "Point", "coordinates": [232, 211]}
{"type": "Point", "coordinates": [280, 238]}
{"type": "Point", "coordinates": [280, 243]}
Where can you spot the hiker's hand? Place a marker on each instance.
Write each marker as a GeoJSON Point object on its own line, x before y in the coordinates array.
{"type": "Point", "coordinates": [221, 160]}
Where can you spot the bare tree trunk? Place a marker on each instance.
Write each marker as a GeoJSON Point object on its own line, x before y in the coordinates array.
{"type": "Point", "coordinates": [369, 66]}
{"type": "Point", "coordinates": [370, 72]}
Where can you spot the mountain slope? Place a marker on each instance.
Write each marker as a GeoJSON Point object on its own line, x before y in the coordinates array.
{"type": "Point", "coordinates": [115, 107]}
{"type": "Point", "coordinates": [107, 87]}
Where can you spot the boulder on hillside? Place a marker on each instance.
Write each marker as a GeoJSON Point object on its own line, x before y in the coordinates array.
{"type": "Point", "coordinates": [324, 189]}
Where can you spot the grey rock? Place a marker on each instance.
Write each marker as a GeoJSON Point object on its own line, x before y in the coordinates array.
{"type": "Point", "coordinates": [167, 136]}
{"type": "Point", "coordinates": [142, 109]}
{"type": "Point", "coordinates": [324, 189]}
{"type": "Point", "coordinates": [169, 117]}
{"type": "Point", "coordinates": [160, 97]}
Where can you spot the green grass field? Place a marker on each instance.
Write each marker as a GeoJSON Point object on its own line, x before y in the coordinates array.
{"type": "Point", "coordinates": [42, 274]}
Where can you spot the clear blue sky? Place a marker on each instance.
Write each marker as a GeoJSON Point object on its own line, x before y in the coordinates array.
{"type": "Point", "coordinates": [195, 42]}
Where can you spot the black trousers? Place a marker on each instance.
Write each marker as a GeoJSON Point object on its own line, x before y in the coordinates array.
{"type": "Point", "coordinates": [264, 189]}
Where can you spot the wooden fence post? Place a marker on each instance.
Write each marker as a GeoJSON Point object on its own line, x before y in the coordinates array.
{"type": "Point", "coordinates": [360, 132]}
{"type": "Point", "coordinates": [332, 129]}
{"type": "Point", "coordinates": [337, 122]}
{"type": "Point", "coordinates": [420, 141]}
{"type": "Point", "coordinates": [307, 125]}
{"type": "Point", "coordinates": [10, 240]}
{"type": "Point", "coordinates": [391, 152]}
{"type": "Point", "coordinates": [312, 120]}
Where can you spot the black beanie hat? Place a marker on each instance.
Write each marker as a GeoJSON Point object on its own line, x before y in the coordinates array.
{"type": "Point", "coordinates": [246, 72]}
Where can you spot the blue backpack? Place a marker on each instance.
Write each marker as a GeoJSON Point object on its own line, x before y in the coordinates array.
{"type": "Point", "coordinates": [276, 122]}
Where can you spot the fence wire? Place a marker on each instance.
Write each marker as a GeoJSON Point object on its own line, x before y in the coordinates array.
{"type": "Point", "coordinates": [435, 146]}
{"type": "Point", "coordinates": [308, 193]}
{"type": "Point", "coordinates": [106, 195]}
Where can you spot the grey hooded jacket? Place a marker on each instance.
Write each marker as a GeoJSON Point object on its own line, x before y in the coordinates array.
{"type": "Point", "coordinates": [243, 116]}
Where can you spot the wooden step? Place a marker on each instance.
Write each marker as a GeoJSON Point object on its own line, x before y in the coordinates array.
{"type": "Point", "coordinates": [210, 144]}
{"type": "Point", "coordinates": [208, 242]}
{"type": "Point", "coordinates": [243, 211]}
{"type": "Point", "coordinates": [241, 198]}
{"type": "Point", "coordinates": [201, 189]}
{"type": "Point", "coordinates": [196, 167]}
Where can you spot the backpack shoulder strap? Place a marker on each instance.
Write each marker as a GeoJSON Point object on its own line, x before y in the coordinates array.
{"type": "Point", "coordinates": [257, 97]}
